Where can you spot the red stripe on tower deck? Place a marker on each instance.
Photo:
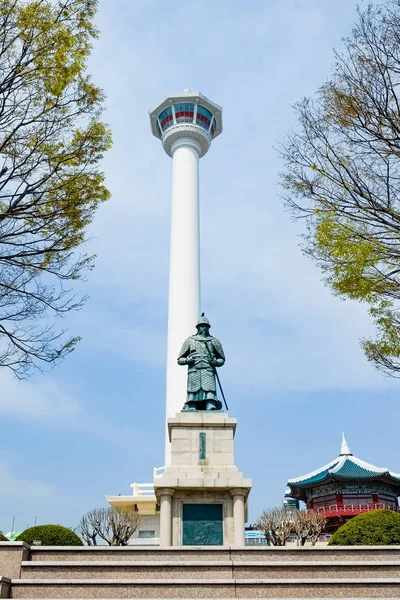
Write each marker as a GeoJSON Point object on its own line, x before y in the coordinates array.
{"type": "Point", "coordinates": [166, 120]}
{"type": "Point", "coordinates": [184, 114]}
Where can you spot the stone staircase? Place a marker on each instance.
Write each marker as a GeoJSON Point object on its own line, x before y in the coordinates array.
{"type": "Point", "coordinates": [140, 572]}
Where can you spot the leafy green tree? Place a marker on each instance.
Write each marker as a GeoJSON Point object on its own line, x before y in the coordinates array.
{"type": "Point", "coordinates": [51, 143]}
{"type": "Point", "coordinates": [342, 173]}
{"type": "Point", "coordinates": [3, 538]}
{"type": "Point", "coordinates": [50, 535]}
{"type": "Point", "coordinates": [376, 528]}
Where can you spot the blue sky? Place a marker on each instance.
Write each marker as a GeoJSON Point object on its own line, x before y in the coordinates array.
{"type": "Point", "coordinates": [295, 375]}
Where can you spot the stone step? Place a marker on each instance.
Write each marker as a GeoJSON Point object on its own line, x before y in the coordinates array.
{"type": "Point", "coordinates": [120, 553]}
{"type": "Point", "coordinates": [206, 588]}
{"type": "Point", "coordinates": [203, 569]}
{"type": "Point", "coordinates": [195, 553]}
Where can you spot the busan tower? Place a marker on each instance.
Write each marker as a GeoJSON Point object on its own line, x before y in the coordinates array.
{"type": "Point", "coordinates": [186, 124]}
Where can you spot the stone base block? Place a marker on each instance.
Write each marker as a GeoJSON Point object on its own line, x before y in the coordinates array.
{"type": "Point", "coordinates": [11, 555]}
{"type": "Point", "coordinates": [203, 473]}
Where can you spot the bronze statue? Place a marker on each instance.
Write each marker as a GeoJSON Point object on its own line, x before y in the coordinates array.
{"type": "Point", "coordinates": [202, 353]}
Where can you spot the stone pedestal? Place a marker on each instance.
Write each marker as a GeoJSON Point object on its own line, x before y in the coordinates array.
{"type": "Point", "coordinates": [202, 494]}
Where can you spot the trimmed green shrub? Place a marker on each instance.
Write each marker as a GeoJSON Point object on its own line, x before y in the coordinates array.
{"type": "Point", "coordinates": [3, 538]}
{"type": "Point", "coordinates": [377, 528]}
{"type": "Point", "coordinates": [50, 535]}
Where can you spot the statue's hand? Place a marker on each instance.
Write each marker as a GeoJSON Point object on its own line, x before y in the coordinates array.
{"type": "Point", "coordinates": [191, 359]}
{"type": "Point", "coordinates": [218, 362]}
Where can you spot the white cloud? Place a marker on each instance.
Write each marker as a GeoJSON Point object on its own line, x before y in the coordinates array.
{"type": "Point", "coordinates": [42, 400]}
{"type": "Point", "coordinates": [12, 486]}
{"type": "Point", "coordinates": [46, 403]}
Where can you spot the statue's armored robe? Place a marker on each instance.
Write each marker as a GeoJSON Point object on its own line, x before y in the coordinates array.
{"type": "Point", "coordinates": [201, 385]}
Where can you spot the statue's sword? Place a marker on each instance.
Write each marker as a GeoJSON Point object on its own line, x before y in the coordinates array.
{"type": "Point", "coordinates": [217, 376]}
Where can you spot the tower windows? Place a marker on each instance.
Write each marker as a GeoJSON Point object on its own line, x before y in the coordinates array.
{"type": "Point", "coordinates": [184, 112]}
{"type": "Point", "coordinates": [165, 118]}
{"type": "Point", "coordinates": [204, 117]}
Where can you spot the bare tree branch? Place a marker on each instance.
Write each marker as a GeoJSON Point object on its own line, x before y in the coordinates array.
{"type": "Point", "coordinates": [113, 526]}
{"type": "Point", "coordinates": [308, 525]}
{"type": "Point", "coordinates": [277, 524]}
{"type": "Point", "coordinates": [342, 175]}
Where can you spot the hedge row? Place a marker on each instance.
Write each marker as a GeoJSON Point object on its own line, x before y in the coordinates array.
{"type": "Point", "coordinates": [48, 535]}
{"type": "Point", "coordinates": [376, 528]}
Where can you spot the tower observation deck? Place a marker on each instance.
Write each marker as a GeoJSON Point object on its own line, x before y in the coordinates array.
{"type": "Point", "coordinates": [186, 124]}
{"type": "Point", "coordinates": [186, 116]}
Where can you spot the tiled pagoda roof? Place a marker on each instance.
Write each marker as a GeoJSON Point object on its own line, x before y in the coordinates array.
{"type": "Point", "coordinates": [344, 467]}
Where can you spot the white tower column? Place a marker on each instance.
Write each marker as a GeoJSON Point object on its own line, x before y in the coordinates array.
{"type": "Point", "coordinates": [184, 274]}
{"type": "Point", "coordinates": [186, 124]}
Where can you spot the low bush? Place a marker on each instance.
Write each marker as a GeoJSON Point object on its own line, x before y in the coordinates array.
{"type": "Point", "coordinates": [377, 528]}
{"type": "Point", "coordinates": [50, 535]}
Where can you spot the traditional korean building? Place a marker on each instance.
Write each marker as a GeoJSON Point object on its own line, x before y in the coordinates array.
{"type": "Point", "coordinates": [346, 487]}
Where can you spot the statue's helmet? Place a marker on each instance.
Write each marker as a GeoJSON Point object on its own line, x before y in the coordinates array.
{"type": "Point", "coordinates": [203, 321]}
